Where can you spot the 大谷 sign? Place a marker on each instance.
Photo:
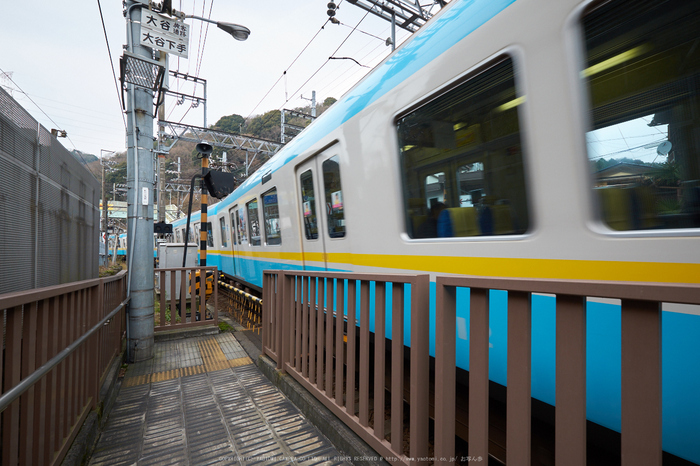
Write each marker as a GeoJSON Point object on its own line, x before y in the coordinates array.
{"type": "Point", "coordinates": [164, 33]}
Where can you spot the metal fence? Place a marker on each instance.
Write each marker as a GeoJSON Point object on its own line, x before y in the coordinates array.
{"type": "Point", "coordinates": [180, 307]}
{"type": "Point", "coordinates": [49, 207]}
{"type": "Point", "coordinates": [304, 332]}
{"type": "Point", "coordinates": [58, 345]}
{"type": "Point", "coordinates": [641, 365]}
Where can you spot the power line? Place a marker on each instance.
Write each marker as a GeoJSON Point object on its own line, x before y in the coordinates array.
{"type": "Point", "coordinates": [288, 67]}
{"type": "Point", "coordinates": [328, 60]}
{"type": "Point", "coordinates": [47, 116]}
{"type": "Point", "coordinates": [111, 63]}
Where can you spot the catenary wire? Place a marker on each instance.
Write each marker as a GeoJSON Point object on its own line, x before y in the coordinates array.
{"type": "Point", "coordinates": [111, 63]}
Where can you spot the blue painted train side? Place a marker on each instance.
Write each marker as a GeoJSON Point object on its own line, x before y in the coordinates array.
{"type": "Point", "coordinates": [508, 173]}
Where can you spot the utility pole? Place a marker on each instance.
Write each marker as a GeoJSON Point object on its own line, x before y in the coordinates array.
{"type": "Point", "coordinates": [140, 184]}
{"type": "Point", "coordinates": [161, 155]}
{"type": "Point", "coordinates": [104, 216]}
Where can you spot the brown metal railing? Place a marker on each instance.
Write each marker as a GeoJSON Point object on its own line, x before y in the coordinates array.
{"type": "Point", "coordinates": [59, 343]}
{"type": "Point", "coordinates": [641, 365]}
{"type": "Point", "coordinates": [179, 307]}
{"type": "Point", "coordinates": [305, 332]}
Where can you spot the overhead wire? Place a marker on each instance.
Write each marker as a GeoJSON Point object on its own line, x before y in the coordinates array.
{"type": "Point", "coordinates": [47, 116]}
{"type": "Point", "coordinates": [111, 63]}
{"type": "Point", "coordinates": [200, 53]}
{"type": "Point", "coordinates": [327, 60]}
{"type": "Point", "coordinates": [284, 73]}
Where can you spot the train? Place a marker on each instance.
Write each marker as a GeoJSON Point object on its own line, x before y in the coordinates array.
{"type": "Point", "coordinates": [474, 148]}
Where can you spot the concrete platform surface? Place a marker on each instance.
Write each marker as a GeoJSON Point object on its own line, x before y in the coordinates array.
{"type": "Point", "coordinates": [202, 401]}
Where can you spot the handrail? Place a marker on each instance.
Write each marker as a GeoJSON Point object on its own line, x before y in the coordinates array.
{"type": "Point", "coordinates": [8, 397]}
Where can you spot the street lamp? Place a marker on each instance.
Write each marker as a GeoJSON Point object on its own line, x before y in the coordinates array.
{"type": "Point", "coordinates": [236, 30]}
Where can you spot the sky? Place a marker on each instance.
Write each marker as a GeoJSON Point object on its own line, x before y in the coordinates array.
{"type": "Point", "coordinates": [633, 139]}
{"type": "Point", "coordinates": [57, 57]}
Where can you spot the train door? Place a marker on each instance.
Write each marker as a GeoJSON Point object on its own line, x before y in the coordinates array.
{"type": "Point", "coordinates": [309, 192]}
{"type": "Point", "coordinates": [237, 239]}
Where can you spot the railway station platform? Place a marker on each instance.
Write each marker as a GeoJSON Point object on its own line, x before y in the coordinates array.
{"type": "Point", "coordinates": [203, 400]}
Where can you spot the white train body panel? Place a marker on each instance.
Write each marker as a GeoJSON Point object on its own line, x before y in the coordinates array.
{"type": "Point", "coordinates": [565, 238]}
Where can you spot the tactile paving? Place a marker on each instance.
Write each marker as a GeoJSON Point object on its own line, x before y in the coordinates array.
{"type": "Point", "coordinates": [202, 401]}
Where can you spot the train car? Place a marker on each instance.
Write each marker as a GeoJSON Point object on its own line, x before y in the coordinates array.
{"type": "Point", "coordinates": [474, 149]}
{"type": "Point", "coordinates": [180, 225]}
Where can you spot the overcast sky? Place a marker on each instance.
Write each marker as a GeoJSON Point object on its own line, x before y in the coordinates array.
{"type": "Point", "coordinates": [57, 54]}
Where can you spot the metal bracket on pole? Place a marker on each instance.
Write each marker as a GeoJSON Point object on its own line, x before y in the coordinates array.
{"type": "Point", "coordinates": [140, 72]}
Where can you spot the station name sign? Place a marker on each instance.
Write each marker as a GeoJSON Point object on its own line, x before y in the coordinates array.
{"type": "Point", "coordinates": [164, 33]}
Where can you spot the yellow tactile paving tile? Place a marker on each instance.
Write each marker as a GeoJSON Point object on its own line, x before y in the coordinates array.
{"type": "Point", "coordinates": [139, 380]}
{"type": "Point", "coordinates": [192, 370]}
{"type": "Point", "coordinates": [214, 360]}
{"type": "Point", "coordinates": [239, 362]}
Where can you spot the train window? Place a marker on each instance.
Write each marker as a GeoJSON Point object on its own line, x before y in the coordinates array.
{"type": "Point", "coordinates": [642, 72]}
{"type": "Point", "coordinates": [462, 161]}
{"type": "Point", "coordinates": [308, 207]}
{"type": "Point", "coordinates": [233, 228]}
{"type": "Point", "coordinates": [210, 235]}
{"type": "Point", "coordinates": [240, 225]}
{"type": "Point", "coordinates": [334, 197]}
{"type": "Point", "coordinates": [177, 236]}
{"type": "Point", "coordinates": [253, 222]}
{"type": "Point", "coordinates": [271, 216]}
{"type": "Point", "coordinates": [224, 236]}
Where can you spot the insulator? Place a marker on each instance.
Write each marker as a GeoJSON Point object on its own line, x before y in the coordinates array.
{"type": "Point", "coordinates": [331, 6]}
{"type": "Point", "coordinates": [331, 13]}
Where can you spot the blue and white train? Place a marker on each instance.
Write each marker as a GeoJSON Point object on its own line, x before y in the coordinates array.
{"type": "Point", "coordinates": [474, 149]}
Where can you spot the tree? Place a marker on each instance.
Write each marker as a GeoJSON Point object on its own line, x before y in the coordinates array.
{"type": "Point", "coordinates": [329, 101]}
{"type": "Point", "coordinates": [230, 123]}
{"type": "Point", "coordinates": [266, 126]}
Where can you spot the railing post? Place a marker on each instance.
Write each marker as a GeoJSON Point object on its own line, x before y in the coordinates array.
{"type": "Point", "coordinates": [420, 367]}
{"type": "Point", "coordinates": [216, 297]}
{"type": "Point", "coordinates": [641, 383]}
{"type": "Point", "coordinates": [570, 414]}
{"type": "Point", "coordinates": [13, 356]}
{"type": "Point", "coordinates": [518, 421]}
{"type": "Point", "coordinates": [282, 320]}
{"type": "Point", "coordinates": [99, 312]}
{"type": "Point", "coordinates": [479, 373]}
{"type": "Point", "coordinates": [445, 347]}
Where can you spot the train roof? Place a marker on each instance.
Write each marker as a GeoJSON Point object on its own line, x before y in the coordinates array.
{"type": "Point", "coordinates": [452, 24]}
{"type": "Point", "coordinates": [194, 218]}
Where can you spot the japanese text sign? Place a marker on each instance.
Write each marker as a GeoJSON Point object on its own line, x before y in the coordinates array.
{"type": "Point", "coordinates": [164, 33]}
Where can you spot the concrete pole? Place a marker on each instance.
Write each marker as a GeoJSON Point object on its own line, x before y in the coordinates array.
{"type": "Point", "coordinates": [140, 184]}
{"type": "Point", "coordinates": [393, 30]}
{"type": "Point", "coordinates": [105, 208]}
{"type": "Point", "coordinates": [313, 104]}
{"type": "Point", "coordinates": [282, 124]}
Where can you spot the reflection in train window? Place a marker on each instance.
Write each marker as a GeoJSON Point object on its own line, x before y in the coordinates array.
{"type": "Point", "coordinates": [234, 233]}
{"type": "Point", "coordinates": [271, 216]}
{"type": "Point", "coordinates": [334, 197]}
{"type": "Point", "coordinates": [643, 77]}
{"type": "Point", "coordinates": [308, 206]}
{"type": "Point", "coordinates": [240, 225]}
{"type": "Point", "coordinates": [224, 236]}
{"type": "Point", "coordinates": [253, 222]}
{"type": "Point", "coordinates": [462, 160]}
